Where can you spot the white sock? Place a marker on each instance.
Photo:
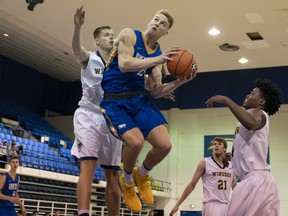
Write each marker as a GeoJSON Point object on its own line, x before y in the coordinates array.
{"type": "Point", "coordinates": [83, 211]}
{"type": "Point", "coordinates": [143, 171]}
{"type": "Point", "coordinates": [128, 179]}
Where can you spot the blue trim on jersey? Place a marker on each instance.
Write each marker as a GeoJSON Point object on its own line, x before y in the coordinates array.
{"type": "Point", "coordinates": [103, 61]}
{"type": "Point", "coordinates": [116, 81]}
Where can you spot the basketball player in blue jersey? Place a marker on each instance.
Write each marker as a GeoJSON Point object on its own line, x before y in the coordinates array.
{"type": "Point", "coordinates": [256, 194]}
{"type": "Point", "coordinates": [9, 183]}
{"type": "Point", "coordinates": [130, 114]}
{"type": "Point", "coordinates": [217, 177]}
{"type": "Point", "coordinates": [93, 141]}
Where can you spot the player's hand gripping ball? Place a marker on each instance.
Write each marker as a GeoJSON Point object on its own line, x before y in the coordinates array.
{"type": "Point", "coordinates": [182, 64]}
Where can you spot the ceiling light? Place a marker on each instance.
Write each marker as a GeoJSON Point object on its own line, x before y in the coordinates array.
{"type": "Point", "coordinates": [213, 31]}
{"type": "Point", "coordinates": [243, 60]}
{"type": "Point", "coordinates": [6, 35]}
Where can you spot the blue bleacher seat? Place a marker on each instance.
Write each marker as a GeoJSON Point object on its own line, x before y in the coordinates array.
{"type": "Point", "coordinates": [19, 139]}
{"type": "Point", "coordinates": [12, 137]}
{"type": "Point", "coordinates": [40, 150]}
{"type": "Point", "coordinates": [35, 143]}
{"type": "Point", "coordinates": [28, 149]}
{"type": "Point", "coordinates": [25, 160]}
{"type": "Point", "coordinates": [46, 164]}
{"type": "Point", "coordinates": [53, 165]}
{"type": "Point", "coordinates": [7, 137]}
{"type": "Point", "coordinates": [30, 161]}
{"type": "Point", "coordinates": [34, 149]}
{"type": "Point", "coordinates": [24, 141]}
{"type": "Point", "coordinates": [45, 146]}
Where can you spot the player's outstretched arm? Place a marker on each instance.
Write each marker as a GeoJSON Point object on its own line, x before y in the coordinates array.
{"type": "Point", "coordinates": [80, 53]}
{"type": "Point", "coordinates": [251, 120]}
{"type": "Point", "coordinates": [191, 186]}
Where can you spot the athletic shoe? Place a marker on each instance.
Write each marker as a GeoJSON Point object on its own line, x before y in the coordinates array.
{"type": "Point", "coordinates": [129, 195]}
{"type": "Point", "coordinates": [144, 187]}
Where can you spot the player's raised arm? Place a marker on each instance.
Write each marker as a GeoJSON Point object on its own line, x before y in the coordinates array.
{"type": "Point", "coordinates": [127, 63]}
{"type": "Point", "coordinates": [80, 53]}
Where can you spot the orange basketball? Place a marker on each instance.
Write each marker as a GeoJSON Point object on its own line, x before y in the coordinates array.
{"type": "Point", "coordinates": [182, 65]}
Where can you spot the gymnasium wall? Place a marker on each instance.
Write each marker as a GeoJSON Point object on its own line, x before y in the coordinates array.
{"type": "Point", "coordinates": [37, 91]}
{"type": "Point", "coordinates": [189, 120]}
{"type": "Point", "coordinates": [187, 129]}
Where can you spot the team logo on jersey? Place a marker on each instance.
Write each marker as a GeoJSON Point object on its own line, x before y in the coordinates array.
{"type": "Point", "coordinates": [99, 70]}
{"type": "Point", "coordinates": [224, 174]}
{"type": "Point", "coordinates": [12, 186]}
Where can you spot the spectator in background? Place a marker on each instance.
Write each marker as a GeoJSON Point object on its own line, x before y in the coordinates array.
{"type": "Point", "coordinates": [57, 212]}
{"type": "Point", "coordinates": [35, 213]}
{"type": "Point", "coordinates": [3, 154]}
{"type": "Point", "coordinates": [13, 149]}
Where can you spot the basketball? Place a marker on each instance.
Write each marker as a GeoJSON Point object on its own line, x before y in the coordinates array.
{"type": "Point", "coordinates": [182, 65]}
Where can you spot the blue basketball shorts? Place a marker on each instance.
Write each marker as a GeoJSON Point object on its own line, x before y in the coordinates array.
{"type": "Point", "coordinates": [124, 114]}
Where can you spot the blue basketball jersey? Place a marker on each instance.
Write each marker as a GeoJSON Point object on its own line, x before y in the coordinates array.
{"type": "Point", "coordinates": [116, 81]}
{"type": "Point", "coordinates": [10, 188]}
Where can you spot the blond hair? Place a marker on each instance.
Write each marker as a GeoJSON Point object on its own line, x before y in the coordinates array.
{"type": "Point", "coordinates": [168, 15]}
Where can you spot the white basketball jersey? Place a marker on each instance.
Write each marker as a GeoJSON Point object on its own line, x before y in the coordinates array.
{"type": "Point", "coordinates": [250, 148]}
{"type": "Point", "coordinates": [91, 78]}
{"type": "Point", "coordinates": [217, 182]}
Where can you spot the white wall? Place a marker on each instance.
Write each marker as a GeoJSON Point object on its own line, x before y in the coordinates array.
{"type": "Point", "coordinates": [187, 129]}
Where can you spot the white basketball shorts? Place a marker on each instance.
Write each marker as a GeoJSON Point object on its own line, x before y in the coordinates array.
{"type": "Point", "coordinates": [93, 140]}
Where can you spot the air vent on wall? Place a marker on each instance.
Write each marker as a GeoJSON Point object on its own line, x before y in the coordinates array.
{"type": "Point", "coordinates": [229, 47]}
